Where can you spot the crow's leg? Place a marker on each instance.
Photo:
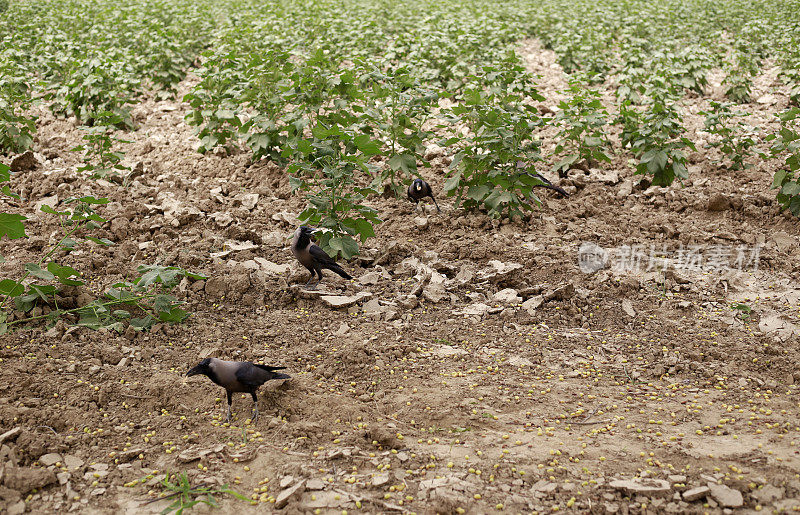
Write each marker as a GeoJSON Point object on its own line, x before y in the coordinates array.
{"type": "Point", "coordinates": [230, 401]}
{"type": "Point", "coordinates": [314, 286]}
{"type": "Point", "coordinates": [255, 407]}
{"type": "Point", "coordinates": [436, 204]}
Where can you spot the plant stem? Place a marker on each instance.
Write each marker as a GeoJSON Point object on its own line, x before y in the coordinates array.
{"type": "Point", "coordinates": [74, 310]}
{"type": "Point", "coordinates": [44, 257]}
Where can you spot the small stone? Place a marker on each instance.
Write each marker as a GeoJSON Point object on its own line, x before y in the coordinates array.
{"type": "Point", "coordinates": [271, 268]}
{"type": "Point", "coordinates": [696, 493]}
{"type": "Point", "coordinates": [625, 189]}
{"type": "Point", "coordinates": [286, 481]}
{"type": "Point", "coordinates": [10, 434]}
{"type": "Point", "coordinates": [544, 486]}
{"type": "Point", "coordinates": [369, 278]}
{"type": "Point", "coordinates": [787, 505]}
{"type": "Point", "coordinates": [507, 296]}
{"type": "Point", "coordinates": [50, 459]}
{"type": "Point", "coordinates": [767, 494]}
{"type": "Point", "coordinates": [344, 301]}
{"type": "Point", "coordinates": [249, 200]}
{"type": "Point", "coordinates": [643, 486]}
{"type": "Point", "coordinates": [372, 307]}
{"type": "Point", "coordinates": [315, 484]}
{"type": "Point", "coordinates": [288, 494]}
{"type": "Point", "coordinates": [129, 455]}
{"type": "Point", "coordinates": [189, 455]}
{"type": "Point", "coordinates": [408, 301]}
{"type": "Point", "coordinates": [27, 478]}
{"type": "Point", "coordinates": [677, 478]}
{"type": "Point", "coordinates": [532, 304]}
{"type": "Point", "coordinates": [726, 496]}
{"type": "Point", "coordinates": [784, 241]}
{"type": "Point", "coordinates": [421, 222]}
{"type": "Point", "coordinates": [72, 462]}
{"type": "Point", "coordinates": [379, 480]}
{"type": "Point", "coordinates": [627, 307]}
{"type": "Point", "coordinates": [18, 508]}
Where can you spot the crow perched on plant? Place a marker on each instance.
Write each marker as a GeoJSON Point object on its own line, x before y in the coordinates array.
{"type": "Point", "coordinates": [522, 168]}
{"type": "Point", "coordinates": [313, 257]}
{"type": "Point", "coordinates": [237, 376]}
{"type": "Point", "coordinates": [418, 190]}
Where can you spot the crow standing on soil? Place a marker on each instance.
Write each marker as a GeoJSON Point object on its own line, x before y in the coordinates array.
{"type": "Point", "coordinates": [313, 257]}
{"type": "Point", "coordinates": [522, 168]}
{"type": "Point", "coordinates": [420, 189]}
{"type": "Point", "coordinates": [237, 376]}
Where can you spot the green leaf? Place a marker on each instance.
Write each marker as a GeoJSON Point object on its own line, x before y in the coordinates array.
{"type": "Point", "coordinates": [478, 192]}
{"type": "Point", "coordinates": [452, 183]}
{"type": "Point", "coordinates": [37, 272]}
{"type": "Point", "coordinates": [100, 241]}
{"type": "Point", "coordinates": [344, 245]}
{"type": "Point", "coordinates": [174, 315]}
{"type": "Point", "coordinates": [11, 225]}
{"type": "Point", "coordinates": [140, 324]}
{"type": "Point", "coordinates": [364, 229]}
{"type": "Point", "coordinates": [11, 288]}
{"type": "Point", "coordinates": [47, 209]}
{"type": "Point", "coordinates": [366, 145]}
{"type": "Point", "coordinates": [92, 200]}
{"type": "Point", "coordinates": [777, 180]}
{"type": "Point", "coordinates": [43, 291]}
{"type": "Point", "coordinates": [405, 162]}
{"type": "Point", "coordinates": [64, 274]}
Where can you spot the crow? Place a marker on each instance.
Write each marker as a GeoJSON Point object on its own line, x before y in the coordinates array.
{"type": "Point", "coordinates": [418, 190]}
{"type": "Point", "coordinates": [313, 257]}
{"type": "Point", "coordinates": [547, 184]}
{"type": "Point", "coordinates": [237, 376]}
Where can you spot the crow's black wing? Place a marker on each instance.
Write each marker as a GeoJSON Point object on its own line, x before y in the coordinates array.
{"type": "Point", "coordinates": [321, 256]}
{"type": "Point", "coordinates": [268, 368]}
{"type": "Point", "coordinates": [252, 375]}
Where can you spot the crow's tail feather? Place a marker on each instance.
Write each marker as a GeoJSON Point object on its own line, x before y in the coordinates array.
{"type": "Point", "coordinates": [554, 188]}
{"type": "Point", "coordinates": [339, 270]}
{"type": "Point", "coordinates": [268, 368]}
{"type": "Point", "coordinates": [549, 185]}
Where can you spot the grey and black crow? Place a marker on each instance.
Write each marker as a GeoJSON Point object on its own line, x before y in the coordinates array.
{"type": "Point", "coordinates": [522, 168]}
{"type": "Point", "coordinates": [420, 189]}
{"type": "Point", "coordinates": [237, 376]}
{"type": "Point", "coordinates": [312, 256]}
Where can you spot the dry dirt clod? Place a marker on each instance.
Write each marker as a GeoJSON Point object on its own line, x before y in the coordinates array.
{"type": "Point", "coordinates": [719, 202]}
{"type": "Point", "coordinates": [696, 493]}
{"type": "Point", "coordinates": [643, 486]}
{"type": "Point", "coordinates": [288, 494]}
{"type": "Point", "coordinates": [24, 161]}
{"type": "Point", "coordinates": [726, 496]}
{"type": "Point", "coordinates": [767, 494]}
{"type": "Point", "coordinates": [344, 301]}
{"type": "Point", "coordinates": [25, 479]}
{"type": "Point", "coordinates": [10, 435]}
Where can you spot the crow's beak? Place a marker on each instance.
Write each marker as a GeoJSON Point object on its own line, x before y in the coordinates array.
{"type": "Point", "coordinates": [193, 371]}
{"type": "Point", "coordinates": [314, 231]}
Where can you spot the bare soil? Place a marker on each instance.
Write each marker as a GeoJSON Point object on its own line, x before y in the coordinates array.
{"type": "Point", "coordinates": [433, 398]}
